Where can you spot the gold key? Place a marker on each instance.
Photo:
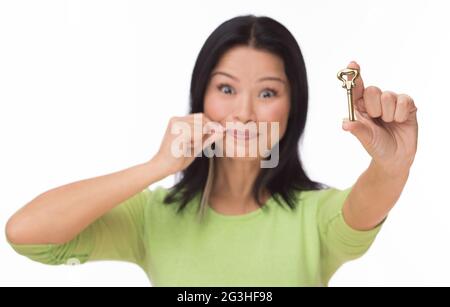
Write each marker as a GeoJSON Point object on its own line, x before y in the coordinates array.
{"type": "Point", "coordinates": [348, 84]}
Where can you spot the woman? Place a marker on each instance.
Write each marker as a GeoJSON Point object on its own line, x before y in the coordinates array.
{"type": "Point", "coordinates": [259, 225]}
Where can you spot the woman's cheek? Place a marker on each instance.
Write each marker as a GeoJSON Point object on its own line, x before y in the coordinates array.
{"type": "Point", "coordinates": [276, 113]}
{"type": "Point", "coordinates": [276, 116]}
{"type": "Point", "coordinates": [216, 109]}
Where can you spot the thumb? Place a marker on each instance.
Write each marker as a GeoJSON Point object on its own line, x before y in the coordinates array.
{"type": "Point", "coordinates": [360, 130]}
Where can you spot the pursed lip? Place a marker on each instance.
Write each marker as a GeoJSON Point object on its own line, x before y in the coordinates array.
{"type": "Point", "coordinates": [242, 135]}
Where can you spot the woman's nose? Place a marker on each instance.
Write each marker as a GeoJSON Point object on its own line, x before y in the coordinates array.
{"type": "Point", "coordinates": [243, 110]}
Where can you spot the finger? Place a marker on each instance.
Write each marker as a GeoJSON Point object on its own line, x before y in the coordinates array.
{"type": "Point", "coordinates": [204, 118]}
{"type": "Point", "coordinates": [210, 128]}
{"type": "Point", "coordinates": [207, 140]}
{"type": "Point", "coordinates": [365, 119]}
{"type": "Point", "coordinates": [213, 138]}
{"type": "Point", "coordinates": [388, 100]}
{"type": "Point", "coordinates": [359, 105]}
{"type": "Point", "coordinates": [372, 101]}
{"type": "Point", "coordinates": [403, 107]}
{"type": "Point", "coordinates": [196, 117]}
{"type": "Point", "coordinates": [358, 90]}
{"type": "Point", "coordinates": [201, 120]}
{"type": "Point", "coordinates": [360, 129]}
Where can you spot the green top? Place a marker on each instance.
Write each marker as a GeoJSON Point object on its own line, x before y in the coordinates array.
{"type": "Point", "coordinates": [272, 246]}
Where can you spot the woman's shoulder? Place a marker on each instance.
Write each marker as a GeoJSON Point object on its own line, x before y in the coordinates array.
{"type": "Point", "coordinates": [156, 201]}
{"type": "Point", "coordinates": [322, 197]}
{"type": "Point", "coordinates": [156, 194]}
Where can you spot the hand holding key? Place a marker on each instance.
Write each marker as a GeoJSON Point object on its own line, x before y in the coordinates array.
{"type": "Point", "coordinates": [385, 123]}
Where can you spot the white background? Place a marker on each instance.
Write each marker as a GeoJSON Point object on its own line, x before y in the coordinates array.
{"type": "Point", "coordinates": [87, 87]}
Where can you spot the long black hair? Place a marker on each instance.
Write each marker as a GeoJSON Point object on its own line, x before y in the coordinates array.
{"type": "Point", "coordinates": [288, 176]}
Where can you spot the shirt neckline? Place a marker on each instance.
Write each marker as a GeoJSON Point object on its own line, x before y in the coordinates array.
{"type": "Point", "coordinates": [251, 214]}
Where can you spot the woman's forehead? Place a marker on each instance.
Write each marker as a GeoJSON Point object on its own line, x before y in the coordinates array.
{"type": "Point", "coordinates": [248, 61]}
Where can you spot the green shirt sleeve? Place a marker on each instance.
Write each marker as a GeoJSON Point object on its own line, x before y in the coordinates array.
{"type": "Point", "coordinates": [117, 235]}
{"type": "Point", "coordinates": [339, 242]}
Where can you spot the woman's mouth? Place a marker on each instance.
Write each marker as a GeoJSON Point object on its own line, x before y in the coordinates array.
{"type": "Point", "coordinates": [242, 135]}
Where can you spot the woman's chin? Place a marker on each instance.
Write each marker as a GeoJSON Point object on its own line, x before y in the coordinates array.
{"type": "Point", "coordinates": [245, 158]}
{"type": "Point", "coordinates": [239, 149]}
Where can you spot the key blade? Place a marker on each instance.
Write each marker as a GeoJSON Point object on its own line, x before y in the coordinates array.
{"type": "Point", "coordinates": [351, 108]}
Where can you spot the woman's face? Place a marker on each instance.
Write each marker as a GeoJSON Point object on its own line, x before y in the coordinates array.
{"type": "Point", "coordinates": [248, 88]}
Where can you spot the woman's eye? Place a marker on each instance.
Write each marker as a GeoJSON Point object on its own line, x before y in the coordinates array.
{"type": "Point", "coordinates": [225, 89]}
{"type": "Point", "coordinates": [268, 93]}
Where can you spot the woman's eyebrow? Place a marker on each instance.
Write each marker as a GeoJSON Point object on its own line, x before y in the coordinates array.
{"type": "Point", "coordinates": [259, 80]}
{"type": "Point", "coordinates": [273, 79]}
{"type": "Point", "coordinates": [225, 74]}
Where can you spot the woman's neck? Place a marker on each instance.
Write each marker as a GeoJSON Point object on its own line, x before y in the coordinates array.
{"type": "Point", "coordinates": [233, 184]}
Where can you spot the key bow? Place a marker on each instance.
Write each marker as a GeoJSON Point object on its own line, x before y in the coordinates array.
{"type": "Point", "coordinates": [348, 84]}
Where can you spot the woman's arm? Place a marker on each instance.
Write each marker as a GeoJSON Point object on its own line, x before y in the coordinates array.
{"type": "Point", "coordinates": [373, 196]}
{"type": "Point", "coordinates": [387, 128]}
{"type": "Point", "coordinates": [58, 215]}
